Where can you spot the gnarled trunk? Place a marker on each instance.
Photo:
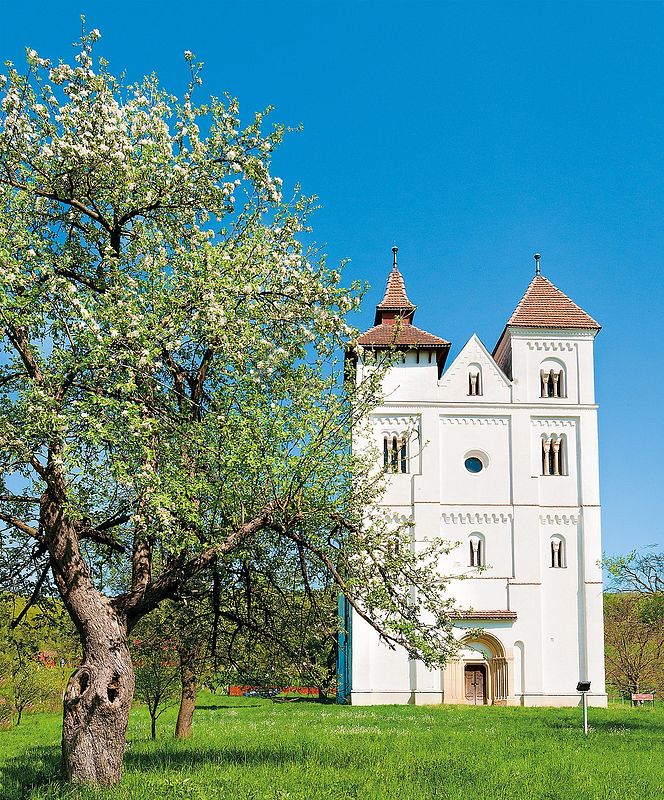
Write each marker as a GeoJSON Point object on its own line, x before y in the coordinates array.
{"type": "Point", "coordinates": [97, 702]}
{"type": "Point", "coordinates": [98, 696]}
{"type": "Point", "coordinates": [188, 696]}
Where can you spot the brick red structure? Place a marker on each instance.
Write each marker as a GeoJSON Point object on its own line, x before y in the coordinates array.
{"type": "Point", "coordinates": [239, 691]}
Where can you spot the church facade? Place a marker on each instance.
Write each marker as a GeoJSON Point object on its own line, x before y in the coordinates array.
{"type": "Point", "coordinates": [499, 452]}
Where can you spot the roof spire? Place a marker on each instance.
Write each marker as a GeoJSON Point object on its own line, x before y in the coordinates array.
{"type": "Point", "coordinates": [537, 266]}
{"type": "Point", "coordinates": [395, 302]}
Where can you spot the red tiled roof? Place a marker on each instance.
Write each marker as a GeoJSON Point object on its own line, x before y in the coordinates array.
{"type": "Point", "coordinates": [484, 615]}
{"type": "Point", "coordinates": [545, 306]}
{"type": "Point", "coordinates": [400, 335]}
{"type": "Point", "coordinates": [393, 325]}
{"type": "Point", "coordinates": [395, 297]}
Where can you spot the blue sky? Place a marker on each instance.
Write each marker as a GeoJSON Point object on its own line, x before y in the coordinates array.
{"type": "Point", "coordinates": [472, 134]}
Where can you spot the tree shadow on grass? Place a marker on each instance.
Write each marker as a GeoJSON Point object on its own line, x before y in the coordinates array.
{"type": "Point", "coordinates": [39, 767]}
{"type": "Point", "coordinates": [600, 724]}
{"type": "Point", "coordinates": [34, 769]}
{"type": "Point", "coordinates": [321, 701]}
{"type": "Point", "coordinates": [174, 757]}
{"type": "Point", "coordinates": [217, 706]}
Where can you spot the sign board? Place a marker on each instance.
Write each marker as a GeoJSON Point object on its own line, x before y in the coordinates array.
{"type": "Point", "coordinates": [650, 697]}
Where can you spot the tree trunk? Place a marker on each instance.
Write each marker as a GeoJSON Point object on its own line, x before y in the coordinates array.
{"type": "Point", "coordinates": [153, 726]}
{"type": "Point", "coordinates": [188, 696]}
{"type": "Point", "coordinates": [98, 700]}
{"type": "Point", "coordinates": [98, 696]}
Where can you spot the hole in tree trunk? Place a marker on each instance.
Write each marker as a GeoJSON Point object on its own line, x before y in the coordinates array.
{"type": "Point", "coordinates": [83, 682]}
{"type": "Point", "coordinates": [113, 689]}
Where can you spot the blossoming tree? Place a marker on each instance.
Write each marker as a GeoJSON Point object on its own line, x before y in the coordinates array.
{"type": "Point", "coordinates": [170, 396]}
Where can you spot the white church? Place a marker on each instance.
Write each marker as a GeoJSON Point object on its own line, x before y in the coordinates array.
{"type": "Point", "coordinates": [497, 451]}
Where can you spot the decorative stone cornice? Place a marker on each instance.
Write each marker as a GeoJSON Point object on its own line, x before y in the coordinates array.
{"type": "Point", "coordinates": [560, 519]}
{"type": "Point", "coordinates": [552, 422]}
{"type": "Point", "coordinates": [400, 519]}
{"type": "Point", "coordinates": [553, 335]}
{"type": "Point", "coordinates": [397, 421]}
{"type": "Point", "coordinates": [475, 517]}
{"type": "Point", "coordinates": [543, 344]}
{"type": "Point", "coordinates": [474, 420]}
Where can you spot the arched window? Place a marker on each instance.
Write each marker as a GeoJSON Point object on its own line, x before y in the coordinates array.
{"type": "Point", "coordinates": [474, 380]}
{"type": "Point", "coordinates": [554, 454]}
{"type": "Point", "coordinates": [477, 555]}
{"type": "Point", "coordinates": [558, 555]}
{"type": "Point", "coordinates": [553, 380]}
{"type": "Point", "coordinates": [395, 453]}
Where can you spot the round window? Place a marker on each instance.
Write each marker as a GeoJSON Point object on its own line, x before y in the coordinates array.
{"type": "Point", "coordinates": [473, 464]}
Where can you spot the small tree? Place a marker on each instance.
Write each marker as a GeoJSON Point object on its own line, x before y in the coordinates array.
{"type": "Point", "coordinates": [25, 632]}
{"type": "Point", "coordinates": [157, 669]}
{"type": "Point", "coordinates": [634, 643]}
{"type": "Point", "coordinates": [634, 622]}
{"type": "Point", "coordinates": [641, 572]}
{"type": "Point", "coordinates": [26, 688]}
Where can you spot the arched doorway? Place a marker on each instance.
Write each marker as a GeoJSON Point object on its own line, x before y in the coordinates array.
{"type": "Point", "coordinates": [482, 671]}
{"type": "Point", "coordinates": [475, 684]}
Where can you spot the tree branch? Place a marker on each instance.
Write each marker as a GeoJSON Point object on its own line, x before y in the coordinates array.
{"type": "Point", "coordinates": [390, 640]}
{"type": "Point", "coordinates": [18, 336]}
{"type": "Point", "coordinates": [33, 597]}
{"type": "Point", "coordinates": [173, 578]}
{"type": "Point", "coordinates": [94, 535]}
{"type": "Point", "coordinates": [21, 526]}
{"type": "Point", "coordinates": [178, 374]}
{"type": "Point", "coordinates": [199, 381]}
{"type": "Point", "coordinates": [78, 278]}
{"type": "Point", "coordinates": [113, 522]}
{"type": "Point", "coordinates": [70, 201]}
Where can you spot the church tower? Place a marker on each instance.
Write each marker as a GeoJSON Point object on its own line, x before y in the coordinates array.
{"type": "Point", "coordinates": [509, 470]}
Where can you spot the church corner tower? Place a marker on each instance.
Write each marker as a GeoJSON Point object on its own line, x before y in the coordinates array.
{"type": "Point", "coordinates": [545, 323]}
{"type": "Point", "coordinates": [394, 330]}
{"type": "Point", "coordinates": [509, 470]}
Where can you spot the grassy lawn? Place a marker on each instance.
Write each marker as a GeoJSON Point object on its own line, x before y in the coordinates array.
{"type": "Point", "coordinates": [259, 750]}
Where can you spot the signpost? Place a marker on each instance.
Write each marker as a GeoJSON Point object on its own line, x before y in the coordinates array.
{"type": "Point", "coordinates": [584, 687]}
{"type": "Point", "coordinates": [643, 697]}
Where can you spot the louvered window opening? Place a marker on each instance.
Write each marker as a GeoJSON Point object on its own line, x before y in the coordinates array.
{"type": "Point", "coordinates": [552, 383]}
{"type": "Point", "coordinates": [395, 454]}
{"type": "Point", "coordinates": [553, 455]}
{"type": "Point", "coordinates": [474, 384]}
{"type": "Point", "coordinates": [557, 554]}
{"type": "Point", "coordinates": [476, 552]}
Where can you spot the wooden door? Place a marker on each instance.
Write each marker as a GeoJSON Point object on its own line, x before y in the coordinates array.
{"type": "Point", "coordinates": [475, 684]}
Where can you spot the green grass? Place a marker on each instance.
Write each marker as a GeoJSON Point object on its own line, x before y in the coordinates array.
{"type": "Point", "coordinates": [245, 749]}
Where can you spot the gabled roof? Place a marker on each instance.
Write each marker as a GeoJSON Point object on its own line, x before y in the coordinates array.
{"type": "Point", "coordinates": [400, 335]}
{"type": "Point", "coordinates": [466, 355]}
{"type": "Point", "coordinates": [545, 306]}
{"type": "Point", "coordinates": [393, 325]}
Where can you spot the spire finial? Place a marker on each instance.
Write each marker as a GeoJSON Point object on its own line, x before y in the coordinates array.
{"type": "Point", "coordinates": [395, 250]}
{"type": "Point", "coordinates": [537, 266]}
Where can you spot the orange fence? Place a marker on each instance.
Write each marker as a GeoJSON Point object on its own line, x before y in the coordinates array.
{"type": "Point", "coordinates": [238, 691]}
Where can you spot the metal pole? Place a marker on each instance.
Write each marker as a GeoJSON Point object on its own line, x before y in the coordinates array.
{"type": "Point", "coordinates": [585, 713]}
